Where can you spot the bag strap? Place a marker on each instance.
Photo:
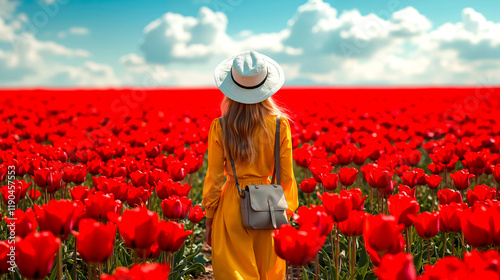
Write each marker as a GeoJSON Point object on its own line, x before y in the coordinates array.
{"type": "Point", "coordinates": [276, 157]}
{"type": "Point", "coordinates": [277, 170]}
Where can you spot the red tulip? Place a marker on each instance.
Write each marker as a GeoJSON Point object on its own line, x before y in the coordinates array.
{"type": "Point", "coordinates": [42, 178]}
{"type": "Point", "coordinates": [496, 172]}
{"type": "Point", "coordinates": [445, 154]}
{"type": "Point", "coordinates": [329, 180]}
{"type": "Point", "coordinates": [308, 185]}
{"type": "Point", "coordinates": [402, 206]}
{"type": "Point", "coordinates": [462, 179]}
{"type": "Point", "coordinates": [382, 235]}
{"type": "Point", "coordinates": [56, 183]}
{"type": "Point", "coordinates": [176, 208]}
{"type": "Point", "coordinates": [35, 254]}
{"type": "Point", "coordinates": [140, 272]}
{"type": "Point", "coordinates": [481, 193]}
{"type": "Point", "coordinates": [137, 196]}
{"type": "Point", "coordinates": [359, 157]}
{"type": "Point", "coordinates": [495, 213]}
{"type": "Point", "coordinates": [177, 170]}
{"type": "Point", "coordinates": [358, 200]}
{"type": "Point", "coordinates": [476, 225]}
{"type": "Point", "coordinates": [380, 178]}
{"type": "Point", "coordinates": [57, 217]}
{"type": "Point", "coordinates": [34, 194]}
{"type": "Point", "coordinates": [353, 226]}
{"type": "Point", "coordinates": [298, 247]}
{"type": "Point", "coordinates": [150, 253]}
{"type": "Point", "coordinates": [446, 268]}
{"type": "Point", "coordinates": [413, 178]}
{"type": "Point", "coordinates": [449, 217]}
{"type": "Point", "coordinates": [20, 188]}
{"type": "Point", "coordinates": [396, 267]}
{"type": "Point", "coordinates": [406, 190]}
{"type": "Point", "coordinates": [426, 224]}
{"type": "Point", "coordinates": [94, 166]}
{"type": "Point", "coordinates": [93, 235]}
{"type": "Point", "coordinates": [318, 167]}
{"type": "Point", "coordinates": [314, 216]}
{"type": "Point", "coordinates": [413, 157]}
{"type": "Point", "coordinates": [433, 181]}
{"type": "Point", "coordinates": [138, 227]}
{"type": "Point", "coordinates": [337, 206]}
{"type": "Point", "coordinates": [435, 169]}
{"type": "Point", "coordinates": [74, 173]}
{"type": "Point", "coordinates": [105, 152]}
{"type": "Point", "coordinates": [196, 213]}
{"type": "Point", "coordinates": [4, 257]}
{"type": "Point", "coordinates": [25, 222]}
{"type": "Point", "coordinates": [476, 161]}
{"type": "Point", "coordinates": [152, 149]}
{"type": "Point", "coordinates": [171, 236]}
{"type": "Point", "coordinates": [344, 156]}
{"type": "Point", "coordinates": [348, 176]}
{"type": "Point", "coordinates": [139, 179]}
{"type": "Point", "coordinates": [448, 196]}
{"type": "Point", "coordinates": [302, 155]}
{"type": "Point", "coordinates": [80, 192]}
{"type": "Point", "coordinates": [98, 205]}
{"type": "Point", "coordinates": [167, 188]}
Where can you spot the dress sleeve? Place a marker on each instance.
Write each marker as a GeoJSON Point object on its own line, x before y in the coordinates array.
{"type": "Point", "coordinates": [286, 163]}
{"type": "Point", "coordinates": [215, 171]}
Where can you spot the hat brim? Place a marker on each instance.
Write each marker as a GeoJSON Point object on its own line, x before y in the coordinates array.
{"type": "Point", "coordinates": [274, 81]}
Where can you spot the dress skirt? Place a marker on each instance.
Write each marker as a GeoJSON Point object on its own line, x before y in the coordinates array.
{"type": "Point", "coordinates": [238, 252]}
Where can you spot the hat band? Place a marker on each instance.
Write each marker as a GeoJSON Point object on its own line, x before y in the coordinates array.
{"type": "Point", "coordinates": [251, 87]}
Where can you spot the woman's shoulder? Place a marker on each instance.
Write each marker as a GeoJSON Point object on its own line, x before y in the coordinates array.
{"type": "Point", "coordinates": [215, 128]}
{"type": "Point", "coordinates": [284, 124]}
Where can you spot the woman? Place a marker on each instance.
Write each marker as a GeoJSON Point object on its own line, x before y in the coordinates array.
{"type": "Point", "coordinates": [248, 80]}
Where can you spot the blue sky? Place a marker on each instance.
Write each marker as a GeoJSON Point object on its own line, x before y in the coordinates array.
{"type": "Point", "coordinates": [88, 43]}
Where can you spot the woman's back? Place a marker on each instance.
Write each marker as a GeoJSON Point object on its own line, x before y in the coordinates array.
{"type": "Point", "coordinates": [264, 150]}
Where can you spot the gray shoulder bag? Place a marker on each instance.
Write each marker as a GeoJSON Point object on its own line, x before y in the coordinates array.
{"type": "Point", "coordinates": [263, 206]}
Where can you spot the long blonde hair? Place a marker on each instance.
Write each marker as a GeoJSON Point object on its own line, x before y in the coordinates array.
{"type": "Point", "coordinates": [241, 121]}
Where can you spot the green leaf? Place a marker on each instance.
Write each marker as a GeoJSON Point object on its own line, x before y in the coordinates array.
{"type": "Point", "coordinates": [200, 258]}
{"type": "Point", "coordinates": [418, 262]}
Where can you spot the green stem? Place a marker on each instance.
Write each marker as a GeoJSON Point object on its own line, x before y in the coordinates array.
{"type": "Point", "coordinates": [74, 260]}
{"type": "Point", "coordinates": [59, 262]}
{"type": "Point", "coordinates": [428, 253]}
{"type": "Point", "coordinates": [337, 252]}
{"type": "Point", "coordinates": [90, 274]}
{"type": "Point", "coordinates": [444, 246]}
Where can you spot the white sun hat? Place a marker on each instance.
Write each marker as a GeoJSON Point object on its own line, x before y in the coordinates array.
{"type": "Point", "coordinates": [249, 77]}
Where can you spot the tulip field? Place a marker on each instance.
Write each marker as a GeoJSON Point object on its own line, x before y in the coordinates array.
{"type": "Point", "coordinates": [394, 183]}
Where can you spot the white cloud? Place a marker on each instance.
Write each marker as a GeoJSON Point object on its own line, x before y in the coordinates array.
{"type": "Point", "coordinates": [473, 38]}
{"type": "Point", "coordinates": [409, 22]}
{"type": "Point", "coordinates": [174, 38]}
{"type": "Point", "coordinates": [89, 74]}
{"type": "Point", "coordinates": [79, 31]}
{"type": "Point", "coordinates": [27, 61]}
{"type": "Point", "coordinates": [7, 8]}
{"type": "Point", "coordinates": [321, 45]}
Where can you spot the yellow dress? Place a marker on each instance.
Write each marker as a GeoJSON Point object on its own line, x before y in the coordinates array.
{"type": "Point", "coordinates": [238, 252]}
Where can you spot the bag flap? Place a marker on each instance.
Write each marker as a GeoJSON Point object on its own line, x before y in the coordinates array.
{"type": "Point", "coordinates": [260, 194]}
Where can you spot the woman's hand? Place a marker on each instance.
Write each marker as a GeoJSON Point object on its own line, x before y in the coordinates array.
{"type": "Point", "coordinates": [208, 231]}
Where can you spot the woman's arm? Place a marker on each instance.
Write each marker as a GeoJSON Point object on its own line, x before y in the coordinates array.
{"type": "Point", "coordinates": [215, 171]}
{"type": "Point", "coordinates": [286, 163]}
